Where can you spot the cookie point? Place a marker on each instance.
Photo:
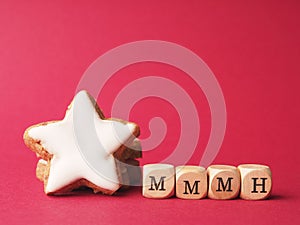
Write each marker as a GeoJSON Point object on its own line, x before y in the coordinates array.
{"type": "Point", "coordinates": [132, 127]}
{"type": "Point", "coordinates": [82, 93]}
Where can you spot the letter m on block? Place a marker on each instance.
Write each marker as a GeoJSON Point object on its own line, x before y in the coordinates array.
{"type": "Point", "coordinates": [160, 186]}
{"type": "Point", "coordinates": [191, 190]}
{"type": "Point", "coordinates": [225, 186]}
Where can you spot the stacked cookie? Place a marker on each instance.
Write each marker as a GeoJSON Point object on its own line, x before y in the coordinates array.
{"type": "Point", "coordinates": [77, 151]}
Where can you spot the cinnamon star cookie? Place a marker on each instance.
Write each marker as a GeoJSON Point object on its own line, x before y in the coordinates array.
{"type": "Point", "coordinates": [83, 149]}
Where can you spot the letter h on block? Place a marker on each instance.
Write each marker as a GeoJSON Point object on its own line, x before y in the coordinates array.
{"type": "Point", "coordinates": [158, 180]}
{"type": "Point", "coordinates": [256, 181]}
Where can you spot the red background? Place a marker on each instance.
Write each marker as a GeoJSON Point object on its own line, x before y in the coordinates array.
{"type": "Point", "coordinates": [251, 46]}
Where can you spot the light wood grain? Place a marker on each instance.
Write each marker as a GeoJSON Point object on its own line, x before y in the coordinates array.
{"type": "Point", "coordinates": [191, 182]}
{"type": "Point", "coordinates": [158, 180]}
{"type": "Point", "coordinates": [256, 181]}
{"type": "Point", "coordinates": [224, 182]}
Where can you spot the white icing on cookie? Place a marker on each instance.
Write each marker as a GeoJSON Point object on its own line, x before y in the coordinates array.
{"type": "Point", "coordinates": [42, 161]}
{"type": "Point", "coordinates": [68, 163]}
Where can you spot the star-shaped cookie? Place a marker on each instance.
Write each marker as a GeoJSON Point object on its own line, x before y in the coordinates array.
{"type": "Point", "coordinates": [81, 149]}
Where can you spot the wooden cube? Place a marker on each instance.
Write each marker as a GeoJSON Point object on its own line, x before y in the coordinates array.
{"type": "Point", "coordinates": [158, 180]}
{"type": "Point", "coordinates": [224, 182]}
{"type": "Point", "coordinates": [191, 182]}
{"type": "Point", "coordinates": [256, 181]}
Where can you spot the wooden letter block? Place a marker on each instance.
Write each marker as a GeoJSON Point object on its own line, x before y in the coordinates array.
{"type": "Point", "coordinates": [256, 181]}
{"type": "Point", "coordinates": [158, 180]}
{"type": "Point", "coordinates": [224, 182]}
{"type": "Point", "coordinates": [191, 182]}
